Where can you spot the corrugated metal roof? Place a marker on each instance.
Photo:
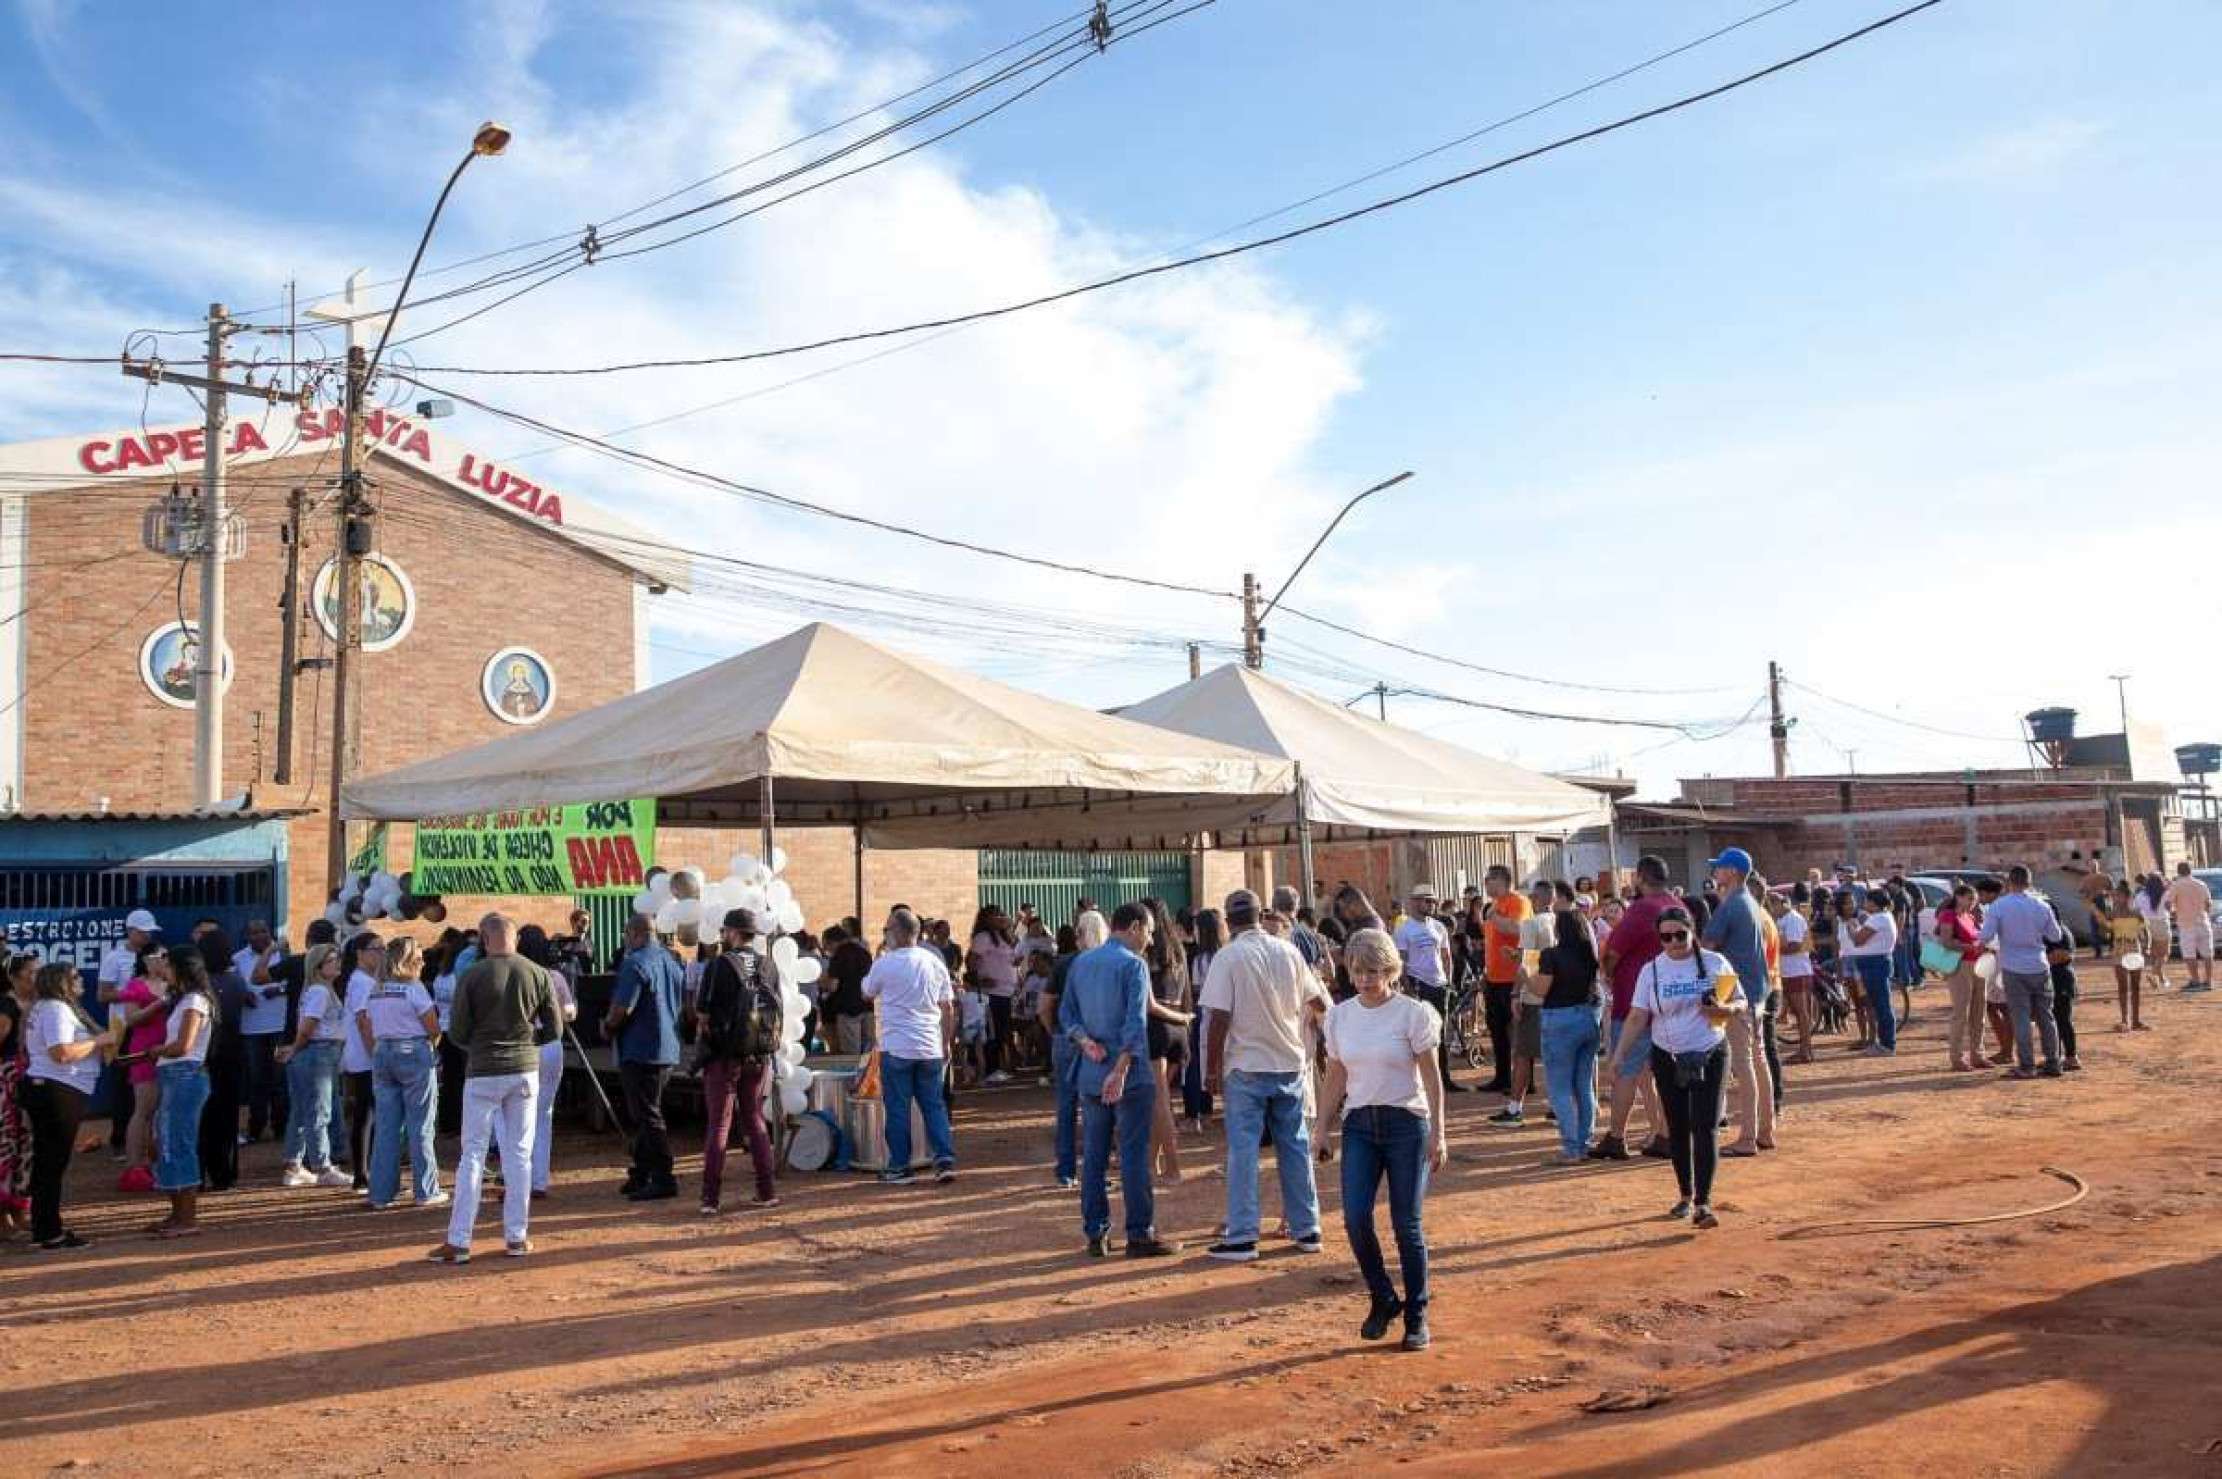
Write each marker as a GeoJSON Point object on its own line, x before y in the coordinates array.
{"type": "Point", "coordinates": [272, 814]}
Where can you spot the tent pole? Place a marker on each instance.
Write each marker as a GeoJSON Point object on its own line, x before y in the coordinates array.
{"type": "Point", "coordinates": [859, 911]}
{"type": "Point", "coordinates": [1304, 840]}
{"type": "Point", "coordinates": [764, 815]}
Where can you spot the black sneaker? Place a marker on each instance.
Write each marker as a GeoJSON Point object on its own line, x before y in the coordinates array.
{"type": "Point", "coordinates": [1679, 1210]}
{"type": "Point", "coordinates": [65, 1241]}
{"type": "Point", "coordinates": [1310, 1243]}
{"type": "Point", "coordinates": [1229, 1252]}
{"type": "Point", "coordinates": [945, 1173]}
{"type": "Point", "coordinates": [1416, 1337]}
{"type": "Point", "coordinates": [1151, 1247]}
{"type": "Point", "coordinates": [653, 1193]}
{"type": "Point", "coordinates": [896, 1178]}
{"type": "Point", "coordinates": [1659, 1148]}
{"type": "Point", "coordinates": [1378, 1318]}
{"type": "Point", "coordinates": [1099, 1246]}
{"type": "Point", "coordinates": [1611, 1148]}
{"type": "Point", "coordinates": [628, 1188]}
{"type": "Point", "coordinates": [1507, 1118]}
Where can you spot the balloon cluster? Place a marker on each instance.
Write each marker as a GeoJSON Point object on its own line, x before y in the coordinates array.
{"type": "Point", "coordinates": [689, 907]}
{"type": "Point", "coordinates": [362, 897]}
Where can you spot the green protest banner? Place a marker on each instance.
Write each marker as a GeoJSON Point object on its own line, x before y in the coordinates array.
{"type": "Point", "coordinates": [588, 848]}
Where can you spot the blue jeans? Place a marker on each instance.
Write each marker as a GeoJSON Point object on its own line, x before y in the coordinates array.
{"type": "Point", "coordinates": [1257, 1102]}
{"type": "Point", "coordinates": [1570, 1073]}
{"type": "Point", "coordinates": [1378, 1140]}
{"type": "Point", "coordinates": [177, 1125]}
{"type": "Point", "coordinates": [310, 1080]}
{"type": "Point", "coordinates": [1130, 1120]}
{"type": "Point", "coordinates": [1874, 974]}
{"type": "Point", "coordinates": [901, 1080]}
{"type": "Point", "coordinates": [404, 1086]}
{"type": "Point", "coordinates": [1064, 1071]}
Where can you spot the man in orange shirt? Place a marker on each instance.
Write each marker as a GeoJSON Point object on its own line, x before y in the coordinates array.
{"type": "Point", "coordinates": [1501, 969]}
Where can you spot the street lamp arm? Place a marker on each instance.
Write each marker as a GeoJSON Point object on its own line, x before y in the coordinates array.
{"type": "Point", "coordinates": [1330, 529]}
{"type": "Point", "coordinates": [410, 276]}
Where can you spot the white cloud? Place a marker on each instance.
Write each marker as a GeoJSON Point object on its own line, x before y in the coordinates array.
{"type": "Point", "coordinates": [2026, 155]}
{"type": "Point", "coordinates": [1167, 429]}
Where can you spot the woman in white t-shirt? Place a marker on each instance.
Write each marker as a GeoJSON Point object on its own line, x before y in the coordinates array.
{"type": "Point", "coordinates": [1684, 999]}
{"type": "Point", "coordinates": [1385, 1088]}
{"type": "Point", "coordinates": [534, 945]}
{"type": "Point", "coordinates": [993, 958]}
{"type": "Point", "coordinates": [181, 1067]}
{"type": "Point", "coordinates": [1794, 927]}
{"type": "Point", "coordinates": [312, 1071]}
{"type": "Point", "coordinates": [400, 1025]}
{"type": "Point", "coordinates": [65, 1052]}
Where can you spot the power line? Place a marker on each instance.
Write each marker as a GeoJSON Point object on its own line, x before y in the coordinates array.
{"type": "Point", "coordinates": [1239, 249]}
{"type": "Point", "coordinates": [800, 505]}
{"type": "Point", "coordinates": [1475, 667]}
{"type": "Point", "coordinates": [1908, 723]}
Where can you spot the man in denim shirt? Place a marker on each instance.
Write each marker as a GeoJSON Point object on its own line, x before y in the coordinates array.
{"type": "Point", "coordinates": [1102, 1013]}
{"type": "Point", "coordinates": [2022, 925]}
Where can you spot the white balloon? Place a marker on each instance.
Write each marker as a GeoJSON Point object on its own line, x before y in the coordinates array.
{"type": "Point", "coordinates": [808, 969]}
{"type": "Point", "coordinates": [337, 914]}
{"type": "Point", "coordinates": [789, 916]}
{"type": "Point", "coordinates": [792, 1052]}
{"type": "Point", "coordinates": [784, 953]}
{"type": "Point", "coordinates": [779, 892]}
{"type": "Point", "coordinates": [758, 875]}
{"type": "Point", "coordinates": [794, 1100]}
{"type": "Point", "coordinates": [794, 1006]}
{"type": "Point", "coordinates": [801, 1077]}
{"type": "Point", "coordinates": [659, 888]}
{"type": "Point", "coordinates": [644, 902]}
{"type": "Point", "coordinates": [779, 860]}
{"type": "Point", "coordinates": [790, 1031]}
{"type": "Point", "coordinates": [741, 864]}
{"type": "Point", "coordinates": [685, 912]}
{"type": "Point", "coordinates": [381, 881]}
{"type": "Point", "coordinates": [350, 889]}
{"type": "Point", "coordinates": [667, 917]}
{"type": "Point", "coordinates": [750, 897]}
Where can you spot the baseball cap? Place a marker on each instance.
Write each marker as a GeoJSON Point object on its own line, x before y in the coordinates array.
{"type": "Point", "coordinates": [142, 921]}
{"type": "Point", "coordinates": [1731, 857]}
{"type": "Point", "coordinates": [1242, 904]}
{"type": "Point", "coordinates": [743, 920]}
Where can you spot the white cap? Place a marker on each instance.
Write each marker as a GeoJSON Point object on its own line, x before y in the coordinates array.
{"type": "Point", "coordinates": [142, 921]}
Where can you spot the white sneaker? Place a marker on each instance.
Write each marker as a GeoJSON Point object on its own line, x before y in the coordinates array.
{"type": "Point", "coordinates": [997, 1077]}
{"type": "Point", "coordinates": [333, 1176]}
{"type": "Point", "coordinates": [437, 1199]}
{"type": "Point", "coordinates": [296, 1176]}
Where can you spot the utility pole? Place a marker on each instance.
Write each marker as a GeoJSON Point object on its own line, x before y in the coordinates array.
{"type": "Point", "coordinates": [213, 542]}
{"type": "Point", "coordinates": [1778, 728]}
{"type": "Point", "coordinates": [351, 539]}
{"type": "Point", "coordinates": [2121, 694]}
{"type": "Point", "coordinates": [289, 638]}
{"type": "Point", "coordinates": [1195, 670]}
{"type": "Point", "coordinates": [1253, 633]}
{"type": "Point", "coordinates": [1381, 699]}
{"type": "Point", "coordinates": [208, 665]}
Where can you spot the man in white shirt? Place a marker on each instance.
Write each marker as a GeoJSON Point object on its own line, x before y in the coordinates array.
{"type": "Point", "coordinates": [917, 1005]}
{"type": "Point", "coordinates": [261, 1025]}
{"type": "Point", "coordinates": [1424, 942]}
{"type": "Point", "coordinates": [1259, 993]}
{"type": "Point", "coordinates": [2192, 902]}
{"type": "Point", "coordinates": [118, 963]}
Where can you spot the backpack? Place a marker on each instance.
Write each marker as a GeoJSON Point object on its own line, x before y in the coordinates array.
{"type": "Point", "coordinates": [741, 1015]}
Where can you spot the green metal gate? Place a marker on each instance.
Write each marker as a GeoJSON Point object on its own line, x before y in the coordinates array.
{"type": "Point", "coordinates": [1054, 882]}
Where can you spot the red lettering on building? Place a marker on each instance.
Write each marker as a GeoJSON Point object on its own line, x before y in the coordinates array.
{"type": "Point", "coordinates": [89, 457]}
{"type": "Point", "coordinates": [244, 438]}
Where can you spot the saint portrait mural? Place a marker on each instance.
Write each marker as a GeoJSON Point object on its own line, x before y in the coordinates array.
{"type": "Point", "coordinates": [518, 685]}
{"type": "Point", "coordinates": [166, 660]}
{"type": "Point", "coordinates": [388, 602]}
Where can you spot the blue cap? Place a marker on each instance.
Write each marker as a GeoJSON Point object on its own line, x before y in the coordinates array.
{"type": "Point", "coordinates": [1732, 857]}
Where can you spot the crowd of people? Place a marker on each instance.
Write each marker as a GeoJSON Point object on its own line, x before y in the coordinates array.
{"type": "Point", "coordinates": [1324, 1034]}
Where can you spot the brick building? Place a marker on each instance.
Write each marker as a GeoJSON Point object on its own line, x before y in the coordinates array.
{"type": "Point", "coordinates": [474, 562]}
{"type": "Point", "coordinates": [2062, 821]}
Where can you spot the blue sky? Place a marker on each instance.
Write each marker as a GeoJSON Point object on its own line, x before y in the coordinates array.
{"type": "Point", "coordinates": [1898, 368]}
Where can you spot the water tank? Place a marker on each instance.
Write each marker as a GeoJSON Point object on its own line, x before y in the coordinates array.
{"type": "Point", "coordinates": [2051, 726]}
{"type": "Point", "coordinates": [2200, 759]}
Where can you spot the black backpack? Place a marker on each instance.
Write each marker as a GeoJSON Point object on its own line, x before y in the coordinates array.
{"type": "Point", "coordinates": [741, 1015]}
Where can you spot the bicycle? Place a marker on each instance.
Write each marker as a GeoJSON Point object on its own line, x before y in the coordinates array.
{"type": "Point", "coordinates": [1466, 1022]}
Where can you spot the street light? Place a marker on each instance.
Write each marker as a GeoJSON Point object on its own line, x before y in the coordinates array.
{"type": "Point", "coordinates": [353, 537]}
{"type": "Point", "coordinates": [1337, 520]}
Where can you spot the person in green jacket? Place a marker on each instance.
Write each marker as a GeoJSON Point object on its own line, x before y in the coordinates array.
{"type": "Point", "coordinates": [505, 1008]}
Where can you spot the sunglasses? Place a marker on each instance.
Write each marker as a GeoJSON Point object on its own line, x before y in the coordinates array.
{"type": "Point", "coordinates": [1672, 937]}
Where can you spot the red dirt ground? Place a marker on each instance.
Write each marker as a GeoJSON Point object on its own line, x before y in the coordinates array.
{"type": "Point", "coordinates": [924, 1330]}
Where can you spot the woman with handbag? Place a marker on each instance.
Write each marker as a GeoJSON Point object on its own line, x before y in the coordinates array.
{"type": "Point", "coordinates": [1684, 999]}
{"type": "Point", "coordinates": [1951, 952]}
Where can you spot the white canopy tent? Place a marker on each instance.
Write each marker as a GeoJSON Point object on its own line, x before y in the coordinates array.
{"type": "Point", "coordinates": [909, 753]}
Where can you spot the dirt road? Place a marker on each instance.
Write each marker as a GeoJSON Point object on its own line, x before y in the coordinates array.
{"type": "Point", "coordinates": [924, 1330]}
